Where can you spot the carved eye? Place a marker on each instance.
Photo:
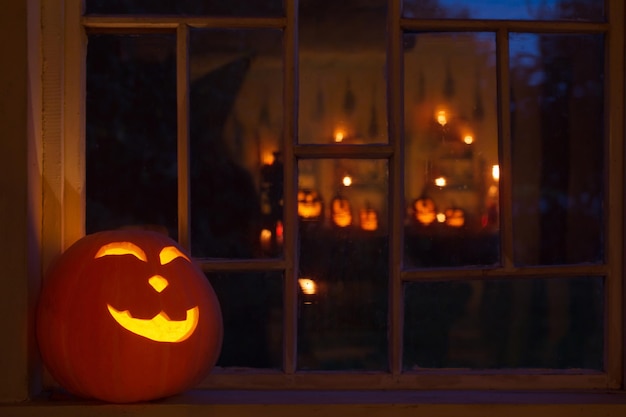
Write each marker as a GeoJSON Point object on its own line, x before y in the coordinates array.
{"type": "Point", "coordinates": [169, 253]}
{"type": "Point", "coordinates": [122, 248]}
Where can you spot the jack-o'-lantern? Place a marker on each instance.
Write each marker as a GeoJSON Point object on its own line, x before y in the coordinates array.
{"type": "Point", "coordinates": [424, 209]}
{"type": "Point", "coordinates": [309, 205]}
{"type": "Point", "coordinates": [369, 219]}
{"type": "Point", "coordinates": [125, 316]}
{"type": "Point", "coordinates": [455, 217]}
{"type": "Point", "coordinates": [341, 212]}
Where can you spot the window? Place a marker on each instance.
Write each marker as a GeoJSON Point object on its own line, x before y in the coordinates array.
{"type": "Point", "coordinates": [432, 189]}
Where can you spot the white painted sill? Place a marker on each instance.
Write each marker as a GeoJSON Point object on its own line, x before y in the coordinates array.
{"type": "Point", "coordinates": [341, 403]}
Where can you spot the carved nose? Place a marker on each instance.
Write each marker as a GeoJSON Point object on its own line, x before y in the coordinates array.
{"type": "Point", "coordinates": [158, 283]}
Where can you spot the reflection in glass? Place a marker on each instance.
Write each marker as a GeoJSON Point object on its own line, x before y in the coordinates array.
{"type": "Point", "coordinates": [495, 324]}
{"type": "Point", "coordinates": [131, 133]}
{"type": "Point", "coordinates": [557, 121]}
{"type": "Point", "coordinates": [585, 10]}
{"type": "Point", "coordinates": [252, 313]}
{"type": "Point", "coordinates": [342, 72]}
{"type": "Point", "coordinates": [451, 150]}
{"type": "Point", "coordinates": [343, 270]}
{"type": "Point", "coordinates": [256, 8]}
{"type": "Point", "coordinates": [235, 130]}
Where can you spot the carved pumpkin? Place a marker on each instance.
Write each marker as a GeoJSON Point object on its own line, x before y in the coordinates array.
{"type": "Point", "coordinates": [455, 217]}
{"type": "Point", "coordinates": [309, 205]}
{"type": "Point", "coordinates": [369, 219]}
{"type": "Point", "coordinates": [341, 212]}
{"type": "Point", "coordinates": [125, 316]}
{"type": "Point", "coordinates": [424, 209]}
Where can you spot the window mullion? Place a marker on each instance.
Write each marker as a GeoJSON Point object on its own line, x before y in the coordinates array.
{"type": "Point", "coordinates": [290, 99]}
{"type": "Point", "coordinates": [396, 189]}
{"type": "Point", "coordinates": [182, 105]}
{"type": "Point", "coordinates": [614, 286]}
{"type": "Point", "coordinates": [505, 146]}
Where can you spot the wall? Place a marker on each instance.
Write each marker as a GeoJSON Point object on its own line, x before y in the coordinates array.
{"type": "Point", "coordinates": [20, 216]}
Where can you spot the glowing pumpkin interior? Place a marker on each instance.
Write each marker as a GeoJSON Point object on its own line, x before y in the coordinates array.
{"type": "Point", "coordinates": [159, 328]}
{"type": "Point", "coordinates": [455, 217]}
{"type": "Point", "coordinates": [369, 219]}
{"type": "Point", "coordinates": [309, 204]}
{"type": "Point", "coordinates": [341, 212]}
{"type": "Point", "coordinates": [425, 211]}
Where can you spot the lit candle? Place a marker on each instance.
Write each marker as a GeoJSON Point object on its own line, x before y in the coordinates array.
{"type": "Point", "coordinates": [307, 286]}
{"type": "Point", "coordinates": [441, 118]}
{"type": "Point", "coordinates": [495, 172]}
{"type": "Point", "coordinates": [266, 237]}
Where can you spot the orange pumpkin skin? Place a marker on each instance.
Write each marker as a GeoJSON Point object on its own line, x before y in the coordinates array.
{"type": "Point", "coordinates": [90, 354]}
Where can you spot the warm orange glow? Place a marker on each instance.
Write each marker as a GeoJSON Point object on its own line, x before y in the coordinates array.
{"type": "Point", "coordinates": [441, 217]}
{"type": "Point", "coordinates": [495, 172]}
{"type": "Point", "coordinates": [347, 180]}
{"type": "Point", "coordinates": [440, 182]}
{"type": "Point", "coordinates": [493, 191]}
{"type": "Point", "coordinates": [158, 283]}
{"type": "Point", "coordinates": [455, 217]}
{"type": "Point", "coordinates": [169, 253]}
{"type": "Point", "coordinates": [280, 232]}
{"type": "Point", "coordinates": [468, 139]}
{"type": "Point", "coordinates": [122, 248]}
{"type": "Point", "coordinates": [159, 328]}
{"type": "Point", "coordinates": [309, 204]}
{"type": "Point", "coordinates": [341, 212]}
{"type": "Point", "coordinates": [268, 158]}
{"type": "Point", "coordinates": [369, 219]}
{"type": "Point", "coordinates": [442, 118]}
{"type": "Point", "coordinates": [425, 211]}
{"type": "Point", "coordinates": [266, 236]}
{"type": "Point", "coordinates": [339, 136]}
{"type": "Point", "coordinates": [308, 286]}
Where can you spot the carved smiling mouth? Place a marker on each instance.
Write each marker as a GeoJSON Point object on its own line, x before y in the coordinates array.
{"type": "Point", "coordinates": [159, 328]}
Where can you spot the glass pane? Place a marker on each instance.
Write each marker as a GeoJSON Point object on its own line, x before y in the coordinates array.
{"type": "Point", "coordinates": [585, 10]}
{"type": "Point", "coordinates": [131, 132]}
{"type": "Point", "coordinates": [451, 150]}
{"type": "Point", "coordinates": [236, 129]}
{"type": "Point", "coordinates": [342, 72]}
{"type": "Point", "coordinates": [252, 313]}
{"type": "Point", "coordinates": [187, 7]}
{"type": "Point", "coordinates": [495, 324]}
{"type": "Point", "coordinates": [557, 118]}
{"type": "Point", "coordinates": [343, 271]}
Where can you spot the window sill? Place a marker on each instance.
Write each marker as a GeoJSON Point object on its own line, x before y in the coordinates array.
{"type": "Point", "coordinates": [342, 403]}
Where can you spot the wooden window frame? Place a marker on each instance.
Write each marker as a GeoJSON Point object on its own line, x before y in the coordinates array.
{"type": "Point", "coordinates": [64, 49]}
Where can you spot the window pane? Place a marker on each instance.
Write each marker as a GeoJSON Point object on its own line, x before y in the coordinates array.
{"type": "Point", "coordinates": [588, 10]}
{"type": "Point", "coordinates": [557, 117]}
{"type": "Point", "coordinates": [236, 129]}
{"type": "Point", "coordinates": [131, 132]}
{"type": "Point", "coordinates": [252, 313]}
{"type": "Point", "coordinates": [490, 324]}
{"type": "Point", "coordinates": [343, 271]}
{"type": "Point", "coordinates": [451, 150]}
{"type": "Point", "coordinates": [342, 72]}
{"type": "Point", "coordinates": [187, 7]}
